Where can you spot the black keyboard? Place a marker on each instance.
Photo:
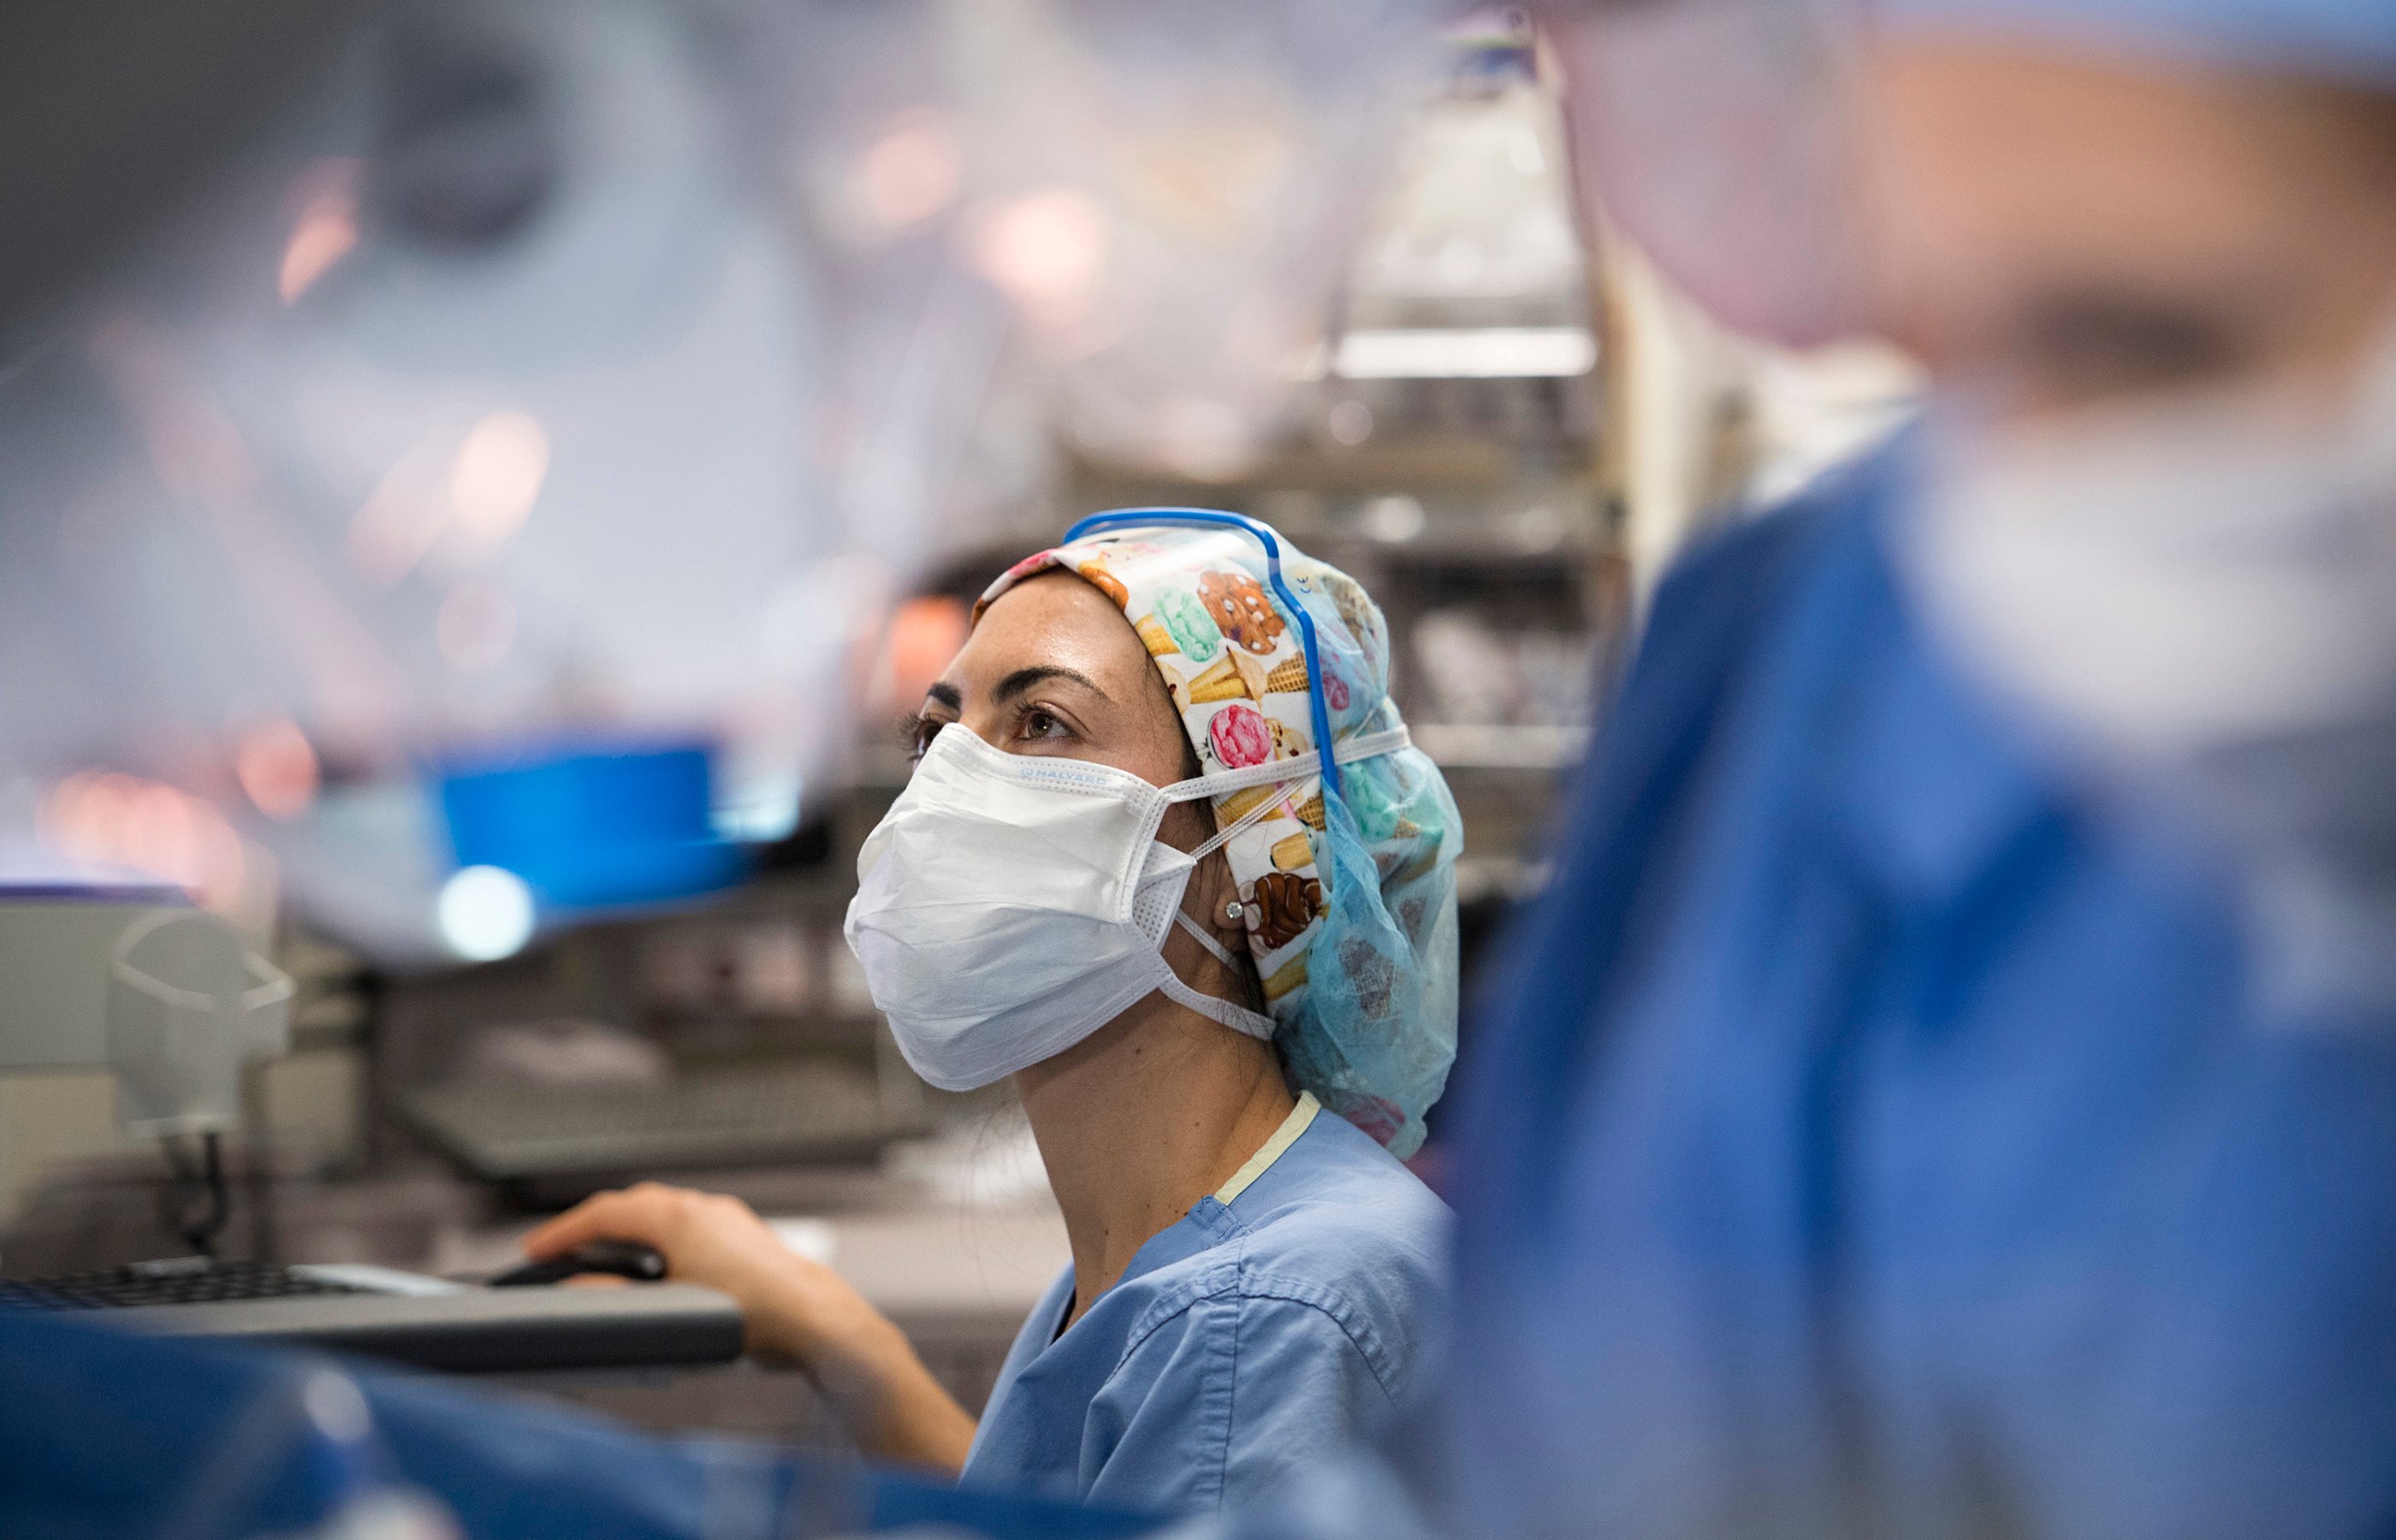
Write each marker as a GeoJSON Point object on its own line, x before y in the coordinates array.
{"type": "Point", "coordinates": [177, 1280]}
{"type": "Point", "coordinates": [426, 1321]}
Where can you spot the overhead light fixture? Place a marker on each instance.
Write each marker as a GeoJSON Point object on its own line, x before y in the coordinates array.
{"type": "Point", "coordinates": [1456, 353]}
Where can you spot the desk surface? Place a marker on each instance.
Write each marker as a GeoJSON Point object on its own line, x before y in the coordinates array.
{"type": "Point", "coordinates": [925, 1262]}
{"type": "Point", "coordinates": [956, 1233]}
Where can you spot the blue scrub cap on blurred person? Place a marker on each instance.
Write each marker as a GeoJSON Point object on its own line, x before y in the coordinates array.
{"type": "Point", "coordinates": [2347, 40]}
{"type": "Point", "coordinates": [1351, 895]}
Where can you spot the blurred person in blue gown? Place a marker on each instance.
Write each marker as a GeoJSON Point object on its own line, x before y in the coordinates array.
{"type": "Point", "coordinates": [1949, 1087]}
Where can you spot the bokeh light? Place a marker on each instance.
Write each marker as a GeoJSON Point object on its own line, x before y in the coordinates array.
{"type": "Point", "coordinates": [124, 821]}
{"type": "Point", "coordinates": [498, 474]}
{"type": "Point", "coordinates": [1044, 250]}
{"type": "Point", "coordinates": [486, 913]}
{"type": "Point", "coordinates": [277, 768]}
{"type": "Point", "coordinates": [911, 172]}
{"type": "Point", "coordinates": [326, 230]}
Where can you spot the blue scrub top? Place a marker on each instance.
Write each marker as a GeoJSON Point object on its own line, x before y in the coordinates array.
{"type": "Point", "coordinates": [1862, 1137]}
{"type": "Point", "coordinates": [1248, 1340]}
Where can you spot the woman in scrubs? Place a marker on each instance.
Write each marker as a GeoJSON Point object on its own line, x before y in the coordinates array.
{"type": "Point", "coordinates": [1255, 1275]}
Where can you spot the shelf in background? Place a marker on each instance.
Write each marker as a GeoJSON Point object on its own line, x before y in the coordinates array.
{"type": "Point", "coordinates": [1455, 746]}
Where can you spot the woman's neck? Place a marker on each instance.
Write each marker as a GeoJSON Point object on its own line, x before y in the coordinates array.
{"type": "Point", "coordinates": [1142, 1119]}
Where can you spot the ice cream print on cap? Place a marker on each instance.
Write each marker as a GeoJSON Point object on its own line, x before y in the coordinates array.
{"type": "Point", "coordinates": [1349, 894]}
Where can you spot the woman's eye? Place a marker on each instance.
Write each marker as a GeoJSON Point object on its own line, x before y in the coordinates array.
{"type": "Point", "coordinates": [920, 732]}
{"type": "Point", "coordinates": [1041, 723]}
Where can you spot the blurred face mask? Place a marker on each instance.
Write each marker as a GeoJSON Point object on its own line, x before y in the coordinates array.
{"type": "Point", "coordinates": [1009, 905]}
{"type": "Point", "coordinates": [2199, 602]}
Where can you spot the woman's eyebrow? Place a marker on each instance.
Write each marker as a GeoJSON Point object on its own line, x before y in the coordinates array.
{"type": "Point", "coordinates": [947, 695]}
{"type": "Point", "coordinates": [1023, 679]}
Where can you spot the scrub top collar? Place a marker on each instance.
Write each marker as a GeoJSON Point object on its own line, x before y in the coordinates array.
{"type": "Point", "coordinates": [1209, 1221]}
{"type": "Point", "coordinates": [1271, 1149]}
{"type": "Point", "coordinates": [1935, 784]}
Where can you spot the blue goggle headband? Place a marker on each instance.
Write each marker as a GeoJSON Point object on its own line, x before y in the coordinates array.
{"type": "Point", "coordinates": [1213, 518]}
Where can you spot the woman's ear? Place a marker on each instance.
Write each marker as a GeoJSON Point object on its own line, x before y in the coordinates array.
{"type": "Point", "coordinates": [1216, 891]}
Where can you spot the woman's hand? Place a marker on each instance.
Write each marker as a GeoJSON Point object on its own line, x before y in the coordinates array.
{"type": "Point", "coordinates": [792, 1306]}
{"type": "Point", "coordinates": [798, 1311]}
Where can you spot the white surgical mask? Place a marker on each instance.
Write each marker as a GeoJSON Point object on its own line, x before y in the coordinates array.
{"type": "Point", "coordinates": [2199, 602]}
{"type": "Point", "coordinates": [1010, 905]}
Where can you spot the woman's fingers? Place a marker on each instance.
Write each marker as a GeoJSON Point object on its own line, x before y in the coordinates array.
{"type": "Point", "coordinates": [651, 1213]}
{"type": "Point", "coordinates": [797, 1310]}
{"type": "Point", "coordinates": [793, 1306]}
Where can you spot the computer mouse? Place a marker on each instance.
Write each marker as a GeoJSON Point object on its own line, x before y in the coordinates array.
{"type": "Point", "coordinates": [620, 1258]}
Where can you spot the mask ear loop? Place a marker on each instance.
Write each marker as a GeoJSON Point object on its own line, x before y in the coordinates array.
{"type": "Point", "coordinates": [1249, 819]}
{"type": "Point", "coordinates": [1222, 953]}
{"type": "Point", "coordinates": [1237, 1017]}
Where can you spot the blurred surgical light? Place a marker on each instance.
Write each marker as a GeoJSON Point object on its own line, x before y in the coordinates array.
{"type": "Point", "coordinates": [1166, 195]}
{"type": "Point", "coordinates": [494, 476]}
{"type": "Point", "coordinates": [602, 371]}
{"type": "Point", "coordinates": [116, 115]}
{"type": "Point", "coordinates": [486, 913]}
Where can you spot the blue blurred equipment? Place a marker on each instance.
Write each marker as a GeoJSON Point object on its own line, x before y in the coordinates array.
{"type": "Point", "coordinates": [593, 826]}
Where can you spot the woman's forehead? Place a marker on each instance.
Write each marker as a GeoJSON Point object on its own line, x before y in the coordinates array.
{"type": "Point", "coordinates": [1054, 619]}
